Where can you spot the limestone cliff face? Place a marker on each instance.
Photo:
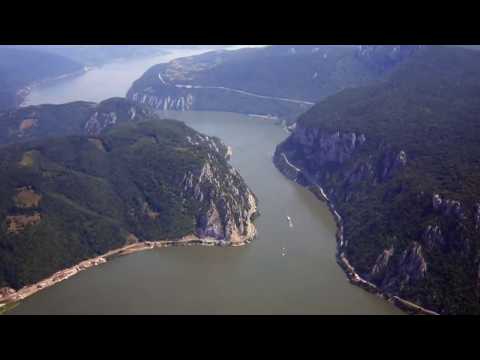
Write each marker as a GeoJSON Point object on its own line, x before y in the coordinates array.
{"type": "Point", "coordinates": [177, 99]}
{"type": "Point", "coordinates": [364, 179]}
{"type": "Point", "coordinates": [113, 111]}
{"type": "Point", "coordinates": [447, 233]}
{"type": "Point", "coordinates": [393, 274]}
{"type": "Point", "coordinates": [320, 154]}
{"type": "Point", "coordinates": [228, 206]}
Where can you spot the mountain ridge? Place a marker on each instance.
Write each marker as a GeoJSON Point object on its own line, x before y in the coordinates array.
{"type": "Point", "coordinates": [75, 118]}
{"type": "Point", "coordinates": [399, 159]}
{"type": "Point", "coordinates": [248, 80]}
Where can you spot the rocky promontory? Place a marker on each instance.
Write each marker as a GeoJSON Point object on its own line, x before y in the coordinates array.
{"type": "Point", "coordinates": [70, 203]}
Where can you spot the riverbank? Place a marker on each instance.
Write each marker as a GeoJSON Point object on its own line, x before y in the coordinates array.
{"type": "Point", "coordinates": [10, 298]}
{"type": "Point", "coordinates": [24, 92]}
{"type": "Point", "coordinates": [292, 172]}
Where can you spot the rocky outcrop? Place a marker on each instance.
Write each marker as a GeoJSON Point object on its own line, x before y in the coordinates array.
{"type": "Point", "coordinates": [341, 165]}
{"type": "Point", "coordinates": [393, 274]}
{"type": "Point", "coordinates": [381, 265]}
{"type": "Point", "coordinates": [97, 122]}
{"type": "Point", "coordinates": [314, 151]}
{"type": "Point", "coordinates": [181, 102]}
{"type": "Point", "coordinates": [112, 111]}
{"type": "Point", "coordinates": [448, 233]}
{"type": "Point", "coordinates": [322, 147]}
{"type": "Point", "coordinates": [318, 149]}
{"type": "Point", "coordinates": [407, 270]}
{"type": "Point", "coordinates": [412, 263]}
{"type": "Point", "coordinates": [229, 207]}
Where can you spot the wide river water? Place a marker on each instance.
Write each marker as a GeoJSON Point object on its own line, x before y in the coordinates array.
{"type": "Point", "coordinates": [255, 279]}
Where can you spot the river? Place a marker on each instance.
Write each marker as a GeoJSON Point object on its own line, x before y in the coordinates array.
{"type": "Point", "coordinates": [255, 279]}
{"type": "Point", "coordinates": [100, 82]}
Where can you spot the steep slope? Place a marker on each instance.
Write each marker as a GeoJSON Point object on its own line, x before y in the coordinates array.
{"type": "Point", "coordinates": [399, 161]}
{"type": "Point", "coordinates": [19, 68]}
{"type": "Point", "coordinates": [67, 199]}
{"type": "Point", "coordinates": [77, 118]}
{"type": "Point", "coordinates": [280, 81]}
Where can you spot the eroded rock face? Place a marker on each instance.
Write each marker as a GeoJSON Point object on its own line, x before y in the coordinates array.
{"type": "Point", "coordinates": [181, 102]}
{"type": "Point", "coordinates": [322, 147]}
{"type": "Point", "coordinates": [318, 152]}
{"type": "Point", "coordinates": [381, 265]}
{"type": "Point", "coordinates": [228, 206]}
{"type": "Point", "coordinates": [99, 121]}
{"type": "Point", "coordinates": [113, 111]}
{"type": "Point", "coordinates": [407, 269]}
{"type": "Point", "coordinates": [448, 234]}
{"type": "Point", "coordinates": [412, 263]}
{"type": "Point", "coordinates": [393, 274]}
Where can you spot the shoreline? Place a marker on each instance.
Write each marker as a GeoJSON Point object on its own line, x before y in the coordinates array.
{"type": "Point", "coordinates": [11, 298]}
{"type": "Point", "coordinates": [353, 277]}
{"type": "Point", "coordinates": [25, 91]}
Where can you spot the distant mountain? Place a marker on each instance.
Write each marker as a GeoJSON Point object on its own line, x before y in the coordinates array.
{"type": "Point", "coordinates": [76, 118]}
{"type": "Point", "coordinates": [400, 162]}
{"type": "Point", "coordinates": [20, 68]}
{"type": "Point", "coordinates": [279, 80]}
{"type": "Point", "coordinates": [97, 54]}
{"type": "Point", "coordinates": [67, 199]}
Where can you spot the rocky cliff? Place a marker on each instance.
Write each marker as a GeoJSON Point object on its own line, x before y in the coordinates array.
{"type": "Point", "coordinates": [281, 81]}
{"type": "Point", "coordinates": [399, 169]}
{"type": "Point", "coordinates": [67, 199]}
